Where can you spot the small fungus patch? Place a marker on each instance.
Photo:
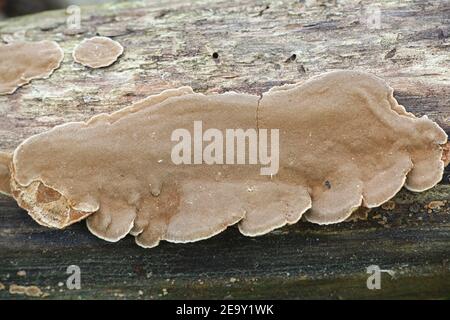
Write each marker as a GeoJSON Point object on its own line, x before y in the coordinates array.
{"type": "Point", "coordinates": [97, 52]}
{"type": "Point", "coordinates": [22, 61]}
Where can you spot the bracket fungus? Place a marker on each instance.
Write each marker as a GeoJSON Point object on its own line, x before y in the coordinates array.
{"type": "Point", "coordinates": [344, 142]}
{"type": "Point", "coordinates": [97, 52]}
{"type": "Point", "coordinates": [5, 160]}
{"type": "Point", "coordinates": [21, 62]}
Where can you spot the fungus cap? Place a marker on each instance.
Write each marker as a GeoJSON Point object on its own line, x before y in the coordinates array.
{"type": "Point", "coordinates": [97, 52]}
{"type": "Point", "coordinates": [5, 161]}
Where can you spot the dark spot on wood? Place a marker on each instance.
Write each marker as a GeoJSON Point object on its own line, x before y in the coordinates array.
{"type": "Point", "coordinates": [76, 215]}
{"type": "Point", "coordinates": [328, 184]}
{"type": "Point", "coordinates": [215, 55]}
{"type": "Point", "coordinates": [390, 53]}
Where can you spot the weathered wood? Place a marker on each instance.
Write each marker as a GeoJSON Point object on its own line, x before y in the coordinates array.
{"type": "Point", "coordinates": [258, 46]}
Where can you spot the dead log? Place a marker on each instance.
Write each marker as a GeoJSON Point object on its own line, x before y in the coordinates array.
{"type": "Point", "coordinates": [247, 47]}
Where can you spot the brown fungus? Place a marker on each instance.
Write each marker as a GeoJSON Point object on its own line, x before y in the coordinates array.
{"type": "Point", "coordinates": [97, 52]}
{"type": "Point", "coordinates": [344, 142]}
{"type": "Point", "coordinates": [21, 62]}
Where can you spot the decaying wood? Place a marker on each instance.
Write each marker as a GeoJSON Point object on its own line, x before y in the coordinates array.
{"type": "Point", "coordinates": [247, 47]}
